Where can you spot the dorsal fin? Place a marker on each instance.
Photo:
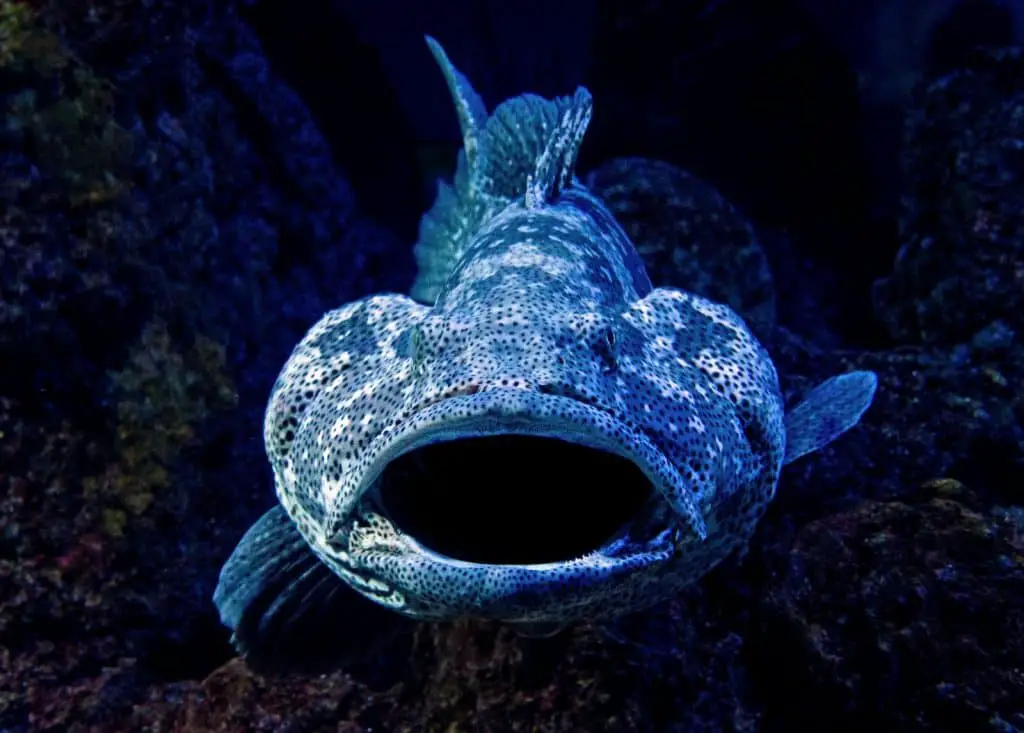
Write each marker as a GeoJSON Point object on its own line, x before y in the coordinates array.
{"type": "Point", "coordinates": [555, 166]}
{"type": "Point", "coordinates": [469, 107]}
{"type": "Point", "coordinates": [828, 411]}
{"type": "Point", "coordinates": [526, 148]}
{"type": "Point", "coordinates": [531, 144]}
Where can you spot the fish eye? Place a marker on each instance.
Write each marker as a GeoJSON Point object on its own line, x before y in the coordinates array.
{"type": "Point", "coordinates": [605, 349]}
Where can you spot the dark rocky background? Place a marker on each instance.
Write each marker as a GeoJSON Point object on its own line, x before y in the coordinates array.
{"type": "Point", "coordinates": [185, 187]}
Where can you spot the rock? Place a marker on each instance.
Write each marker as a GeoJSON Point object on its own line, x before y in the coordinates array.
{"type": "Point", "coordinates": [688, 235]}
{"type": "Point", "coordinates": [961, 266]}
{"type": "Point", "coordinates": [899, 616]}
{"type": "Point", "coordinates": [936, 412]}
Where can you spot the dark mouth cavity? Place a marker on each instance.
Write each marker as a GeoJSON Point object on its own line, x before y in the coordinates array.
{"type": "Point", "coordinates": [512, 499]}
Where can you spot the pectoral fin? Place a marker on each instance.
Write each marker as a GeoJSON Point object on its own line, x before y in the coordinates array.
{"type": "Point", "coordinates": [288, 611]}
{"type": "Point", "coordinates": [828, 411]}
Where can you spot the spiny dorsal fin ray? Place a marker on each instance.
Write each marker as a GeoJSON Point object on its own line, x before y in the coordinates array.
{"type": "Point", "coordinates": [526, 148]}
{"type": "Point", "coordinates": [531, 145]}
{"type": "Point", "coordinates": [555, 166]}
{"type": "Point", "coordinates": [828, 411]}
{"type": "Point", "coordinates": [469, 106]}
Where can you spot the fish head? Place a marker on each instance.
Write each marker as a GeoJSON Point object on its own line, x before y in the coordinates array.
{"type": "Point", "coordinates": [540, 348]}
{"type": "Point", "coordinates": [533, 464]}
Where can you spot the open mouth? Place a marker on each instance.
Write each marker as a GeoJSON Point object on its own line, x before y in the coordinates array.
{"type": "Point", "coordinates": [516, 479]}
{"type": "Point", "coordinates": [512, 499]}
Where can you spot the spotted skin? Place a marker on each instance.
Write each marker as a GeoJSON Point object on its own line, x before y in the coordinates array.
{"type": "Point", "coordinates": [544, 323]}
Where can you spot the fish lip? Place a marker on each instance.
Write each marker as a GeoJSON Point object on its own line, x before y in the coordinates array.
{"type": "Point", "coordinates": [511, 411]}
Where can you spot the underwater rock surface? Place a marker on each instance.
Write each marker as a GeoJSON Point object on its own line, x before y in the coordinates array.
{"type": "Point", "coordinates": [960, 272]}
{"type": "Point", "coordinates": [906, 615]}
{"type": "Point", "coordinates": [690, 236]}
{"type": "Point", "coordinates": [170, 224]}
{"type": "Point", "coordinates": [171, 220]}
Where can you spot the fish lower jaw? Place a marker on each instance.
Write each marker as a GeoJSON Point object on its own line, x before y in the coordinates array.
{"type": "Point", "coordinates": [428, 585]}
{"type": "Point", "coordinates": [441, 522]}
{"type": "Point", "coordinates": [373, 534]}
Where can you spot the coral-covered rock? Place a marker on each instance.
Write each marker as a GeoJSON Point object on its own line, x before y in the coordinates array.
{"type": "Point", "coordinates": [688, 235]}
{"type": "Point", "coordinates": [171, 221]}
{"type": "Point", "coordinates": [897, 616]}
{"type": "Point", "coordinates": [679, 669]}
{"type": "Point", "coordinates": [954, 412]}
{"type": "Point", "coordinates": [960, 270]}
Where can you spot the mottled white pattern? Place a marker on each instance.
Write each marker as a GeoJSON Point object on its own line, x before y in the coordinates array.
{"type": "Point", "coordinates": [544, 311]}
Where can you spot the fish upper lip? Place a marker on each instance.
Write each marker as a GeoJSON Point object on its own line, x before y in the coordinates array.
{"type": "Point", "coordinates": [511, 408]}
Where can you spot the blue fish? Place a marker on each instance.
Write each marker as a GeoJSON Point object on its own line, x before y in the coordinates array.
{"type": "Point", "coordinates": [537, 436]}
